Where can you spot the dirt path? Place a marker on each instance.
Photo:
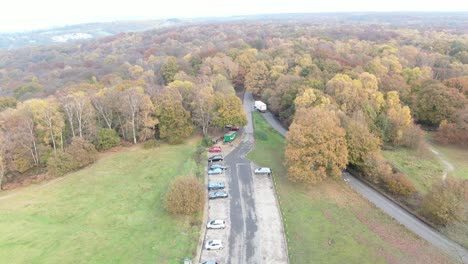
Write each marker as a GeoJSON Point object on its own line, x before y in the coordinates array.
{"type": "Point", "coordinates": [448, 167]}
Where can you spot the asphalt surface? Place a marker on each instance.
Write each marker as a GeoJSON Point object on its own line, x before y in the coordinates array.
{"type": "Point", "coordinates": [244, 239]}
{"type": "Point", "coordinates": [402, 216]}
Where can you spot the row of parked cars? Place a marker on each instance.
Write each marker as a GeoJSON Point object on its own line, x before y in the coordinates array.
{"type": "Point", "coordinates": [216, 188]}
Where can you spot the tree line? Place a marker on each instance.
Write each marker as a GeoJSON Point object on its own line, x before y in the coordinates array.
{"type": "Point", "coordinates": [61, 133]}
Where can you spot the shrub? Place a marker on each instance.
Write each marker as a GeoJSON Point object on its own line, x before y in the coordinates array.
{"type": "Point", "coordinates": [445, 203]}
{"type": "Point", "coordinates": [107, 138]}
{"type": "Point", "coordinates": [398, 184]}
{"type": "Point", "coordinates": [412, 137]}
{"type": "Point", "coordinates": [207, 141]}
{"type": "Point", "coordinates": [79, 154]}
{"type": "Point", "coordinates": [152, 143]}
{"type": "Point", "coordinates": [61, 163]}
{"type": "Point", "coordinates": [375, 168]}
{"type": "Point", "coordinates": [186, 196]}
{"type": "Point", "coordinates": [82, 152]}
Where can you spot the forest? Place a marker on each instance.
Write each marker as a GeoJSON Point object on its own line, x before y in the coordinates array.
{"type": "Point", "coordinates": [345, 88]}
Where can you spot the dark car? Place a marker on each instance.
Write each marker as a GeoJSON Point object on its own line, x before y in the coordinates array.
{"type": "Point", "coordinates": [218, 194]}
{"type": "Point", "coordinates": [234, 128]}
{"type": "Point", "coordinates": [215, 158]}
{"type": "Point", "coordinates": [214, 185]}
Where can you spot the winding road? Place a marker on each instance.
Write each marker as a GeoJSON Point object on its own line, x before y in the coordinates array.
{"type": "Point", "coordinates": [402, 216]}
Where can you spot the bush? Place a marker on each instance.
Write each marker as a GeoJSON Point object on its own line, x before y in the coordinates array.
{"type": "Point", "coordinates": [207, 142]}
{"type": "Point", "coordinates": [83, 152]}
{"type": "Point", "coordinates": [107, 138]}
{"type": "Point", "coordinates": [398, 184]}
{"type": "Point", "coordinates": [79, 154]}
{"type": "Point", "coordinates": [445, 203]}
{"type": "Point", "coordinates": [260, 135]}
{"type": "Point", "coordinates": [60, 164]}
{"type": "Point", "coordinates": [186, 196]}
{"type": "Point", "coordinates": [412, 137]}
{"type": "Point", "coordinates": [152, 143]}
{"type": "Point", "coordinates": [375, 168]}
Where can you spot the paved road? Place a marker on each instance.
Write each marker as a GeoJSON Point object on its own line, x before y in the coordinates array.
{"type": "Point", "coordinates": [248, 216]}
{"type": "Point", "coordinates": [412, 223]}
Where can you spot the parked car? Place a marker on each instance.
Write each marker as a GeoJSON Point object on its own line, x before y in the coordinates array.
{"type": "Point", "coordinates": [217, 166]}
{"type": "Point", "coordinates": [218, 194]}
{"type": "Point", "coordinates": [234, 128]}
{"type": "Point", "coordinates": [216, 224]}
{"type": "Point", "coordinates": [263, 170]}
{"type": "Point", "coordinates": [209, 262]}
{"type": "Point", "coordinates": [215, 171]}
{"type": "Point", "coordinates": [214, 244]}
{"type": "Point", "coordinates": [214, 185]}
{"type": "Point", "coordinates": [215, 158]}
{"type": "Point", "coordinates": [215, 149]}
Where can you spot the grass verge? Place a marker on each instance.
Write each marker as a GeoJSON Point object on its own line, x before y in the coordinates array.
{"type": "Point", "coordinates": [421, 166]}
{"type": "Point", "coordinates": [330, 223]}
{"type": "Point", "coordinates": [110, 212]}
{"type": "Point", "coordinates": [458, 157]}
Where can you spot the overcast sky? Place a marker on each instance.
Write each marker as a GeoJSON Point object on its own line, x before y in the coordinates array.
{"type": "Point", "coordinates": [20, 15]}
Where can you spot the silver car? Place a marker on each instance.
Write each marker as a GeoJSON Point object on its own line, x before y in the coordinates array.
{"type": "Point", "coordinates": [214, 244]}
{"type": "Point", "coordinates": [216, 224]}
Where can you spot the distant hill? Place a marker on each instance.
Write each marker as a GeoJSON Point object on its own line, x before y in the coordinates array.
{"type": "Point", "coordinates": [79, 32]}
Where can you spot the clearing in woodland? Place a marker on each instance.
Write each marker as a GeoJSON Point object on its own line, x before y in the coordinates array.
{"type": "Point", "coordinates": [110, 212]}
{"type": "Point", "coordinates": [330, 223]}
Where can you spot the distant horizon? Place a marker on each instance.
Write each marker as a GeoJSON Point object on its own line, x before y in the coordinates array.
{"type": "Point", "coordinates": [136, 19]}
{"type": "Point", "coordinates": [27, 15]}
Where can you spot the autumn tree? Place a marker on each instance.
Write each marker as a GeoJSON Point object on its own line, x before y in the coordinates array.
{"type": "Point", "coordinates": [20, 141]}
{"type": "Point", "coordinates": [79, 111]}
{"type": "Point", "coordinates": [316, 146]}
{"type": "Point", "coordinates": [257, 79]}
{"type": "Point", "coordinates": [174, 120]}
{"type": "Point", "coordinates": [203, 108]}
{"type": "Point", "coordinates": [186, 195]}
{"type": "Point", "coordinates": [446, 202]}
{"type": "Point", "coordinates": [360, 142]}
{"type": "Point", "coordinates": [7, 102]}
{"type": "Point", "coordinates": [105, 102]}
{"type": "Point", "coordinates": [48, 120]}
{"type": "Point", "coordinates": [228, 111]}
{"type": "Point", "coordinates": [137, 112]}
{"type": "Point", "coordinates": [348, 93]}
{"type": "Point", "coordinates": [436, 102]}
{"type": "Point", "coordinates": [169, 70]}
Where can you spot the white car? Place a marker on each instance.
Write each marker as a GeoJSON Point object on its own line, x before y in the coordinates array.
{"type": "Point", "coordinates": [216, 224]}
{"type": "Point", "coordinates": [214, 244]}
{"type": "Point", "coordinates": [263, 170]}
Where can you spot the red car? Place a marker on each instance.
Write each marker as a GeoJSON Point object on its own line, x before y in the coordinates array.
{"type": "Point", "coordinates": [234, 128]}
{"type": "Point", "coordinates": [215, 149]}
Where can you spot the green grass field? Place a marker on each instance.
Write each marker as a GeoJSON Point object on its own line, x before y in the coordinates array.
{"type": "Point", "coordinates": [458, 157]}
{"type": "Point", "coordinates": [330, 223]}
{"type": "Point", "coordinates": [421, 166]}
{"type": "Point", "coordinates": [110, 212]}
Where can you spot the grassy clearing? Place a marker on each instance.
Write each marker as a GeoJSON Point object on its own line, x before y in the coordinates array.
{"type": "Point", "coordinates": [110, 212]}
{"type": "Point", "coordinates": [330, 223]}
{"type": "Point", "coordinates": [421, 166]}
{"type": "Point", "coordinates": [458, 157]}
